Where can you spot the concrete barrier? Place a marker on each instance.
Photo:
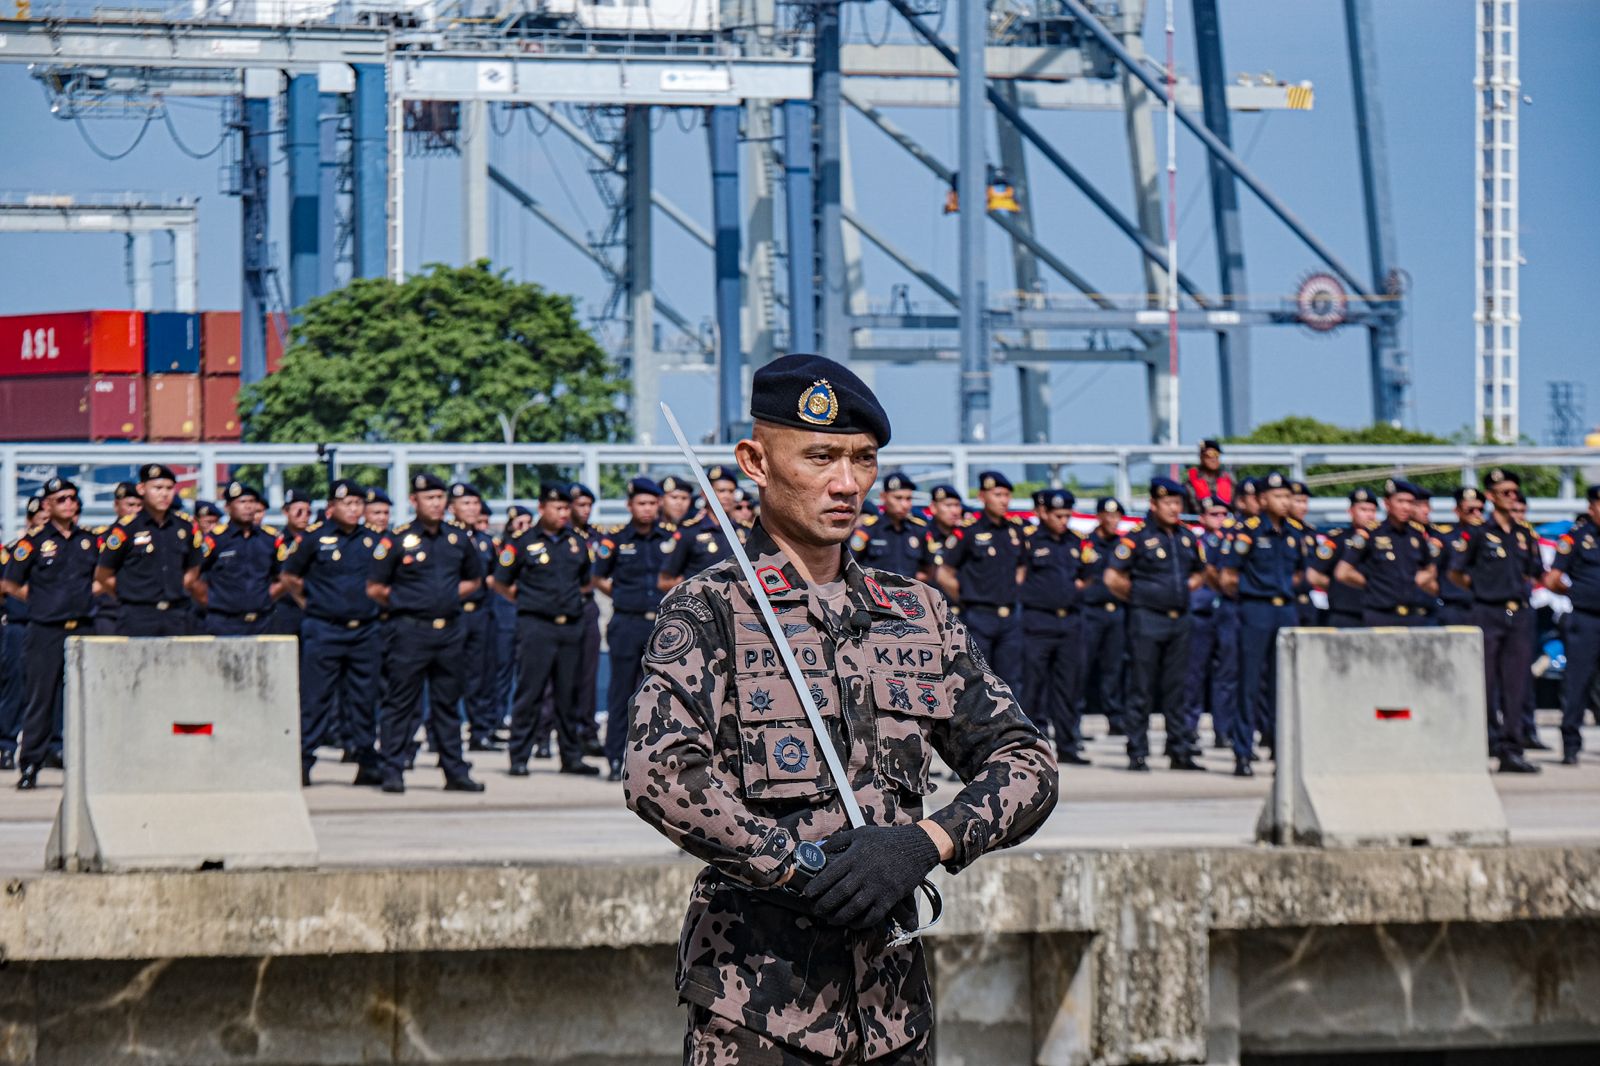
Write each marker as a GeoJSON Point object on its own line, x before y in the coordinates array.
{"type": "Point", "coordinates": [182, 753]}
{"type": "Point", "coordinates": [1381, 740]}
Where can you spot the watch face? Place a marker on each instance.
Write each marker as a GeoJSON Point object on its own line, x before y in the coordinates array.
{"type": "Point", "coordinates": [810, 856]}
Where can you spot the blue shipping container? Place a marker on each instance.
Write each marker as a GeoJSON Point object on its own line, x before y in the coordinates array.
{"type": "Point", "coordinates": [171, 343]}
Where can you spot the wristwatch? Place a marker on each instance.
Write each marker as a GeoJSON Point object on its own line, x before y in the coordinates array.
{"type": "Point", "coordinates": [809, 859]}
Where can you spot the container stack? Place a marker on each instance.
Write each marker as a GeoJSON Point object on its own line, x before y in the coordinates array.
{"type": "Point", "coordinates": [172, 382]}
{"type": "Point", "coordinates": [222, 362]}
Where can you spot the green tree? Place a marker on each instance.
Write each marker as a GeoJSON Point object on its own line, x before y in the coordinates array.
{"type": "Point", "coordinates": [436, 358]}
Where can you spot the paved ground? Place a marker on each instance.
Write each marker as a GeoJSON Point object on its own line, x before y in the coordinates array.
{"type": "Point", "coordinates": [553, 818]}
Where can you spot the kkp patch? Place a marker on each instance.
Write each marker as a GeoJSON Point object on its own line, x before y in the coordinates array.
{"type": "Point", "coordinates": [818, 404]}
{"type": "Point", "coordinates": [670, 642]}
{"type": "Point", "coordinates": [789, 754]}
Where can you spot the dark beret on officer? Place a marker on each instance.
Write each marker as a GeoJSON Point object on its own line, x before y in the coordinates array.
{"type": "Point", "coordinates": [516, 510]}
{"type": "Point", "coordinates": [555, 492]}
{"type": "Point", "coordinates": [426, 482]}
{"type": "Point", "coordinates": [643, 486]}
{"type": "Point", "coordinates": [1299, 488]}
{"type": "Point", "coordinates": [57, 484]}
{"type": "Point", "coordinates": [156, 472]}
{"type": "Point", "coordinates": [674, 483]}
{"type": "Point", "coordinates": [1210, 445]}
{"type": "Point", "coordinates": [1467, 493]}
{"type": "Point", "coordinates": [295, 496]}
{"type": "Point", "coordinates": [379, 496]}
{"type": "Point", "coordinates": [1497, 475]}
{"type": "Point", "coordinates": [1162, 487]}
{"type": "Point", "coordinates": [898, 482]}
{"type": "Point", "coordinates": [1056, 499]}
{"type": "Point", "coordinates": [1274, 480]}
{"type": "Point", "coordinates": [1250, 486]}
{"type": "Point", "coordinates": [238, 490]}
{"type": "Point", "coordinates": [344, 488]}
{"type": "Point", "coordinates": [33, 505]}
{"type": "Point", "coordinates": [993, 479]}
{"type": "Point", "coordinates": [579, 491]}
{"type": "Point", "coordinates": [124, 489]}
{"type": "Point", "coordinates": [464, 490]}
{"type": "Point", "coordinates": [1212, 503]}
{"type": "Point", "coordinates": [945, 492]}
{"type": "Point", "coordinates": [1396, 486]}
{"type": "Point", "coordinates": [1592, 493]}
{"type": "Point", "coordinates": [719, 472]}
{"type": "Point", "coordinates": [1366, 495]}
{"type": "Point", "coordinates": [1107, 505]}
{"type": "Point", "coordinates": [206, 507]}
{"type": "Point", "coordinates": [813, 392]}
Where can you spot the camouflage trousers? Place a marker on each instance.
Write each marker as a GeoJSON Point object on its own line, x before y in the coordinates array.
{"type": "Point", "coordinates": [713, 1040]}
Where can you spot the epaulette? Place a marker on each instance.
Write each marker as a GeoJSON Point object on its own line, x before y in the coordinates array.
{"type": "Point", "coordinates": [402, 529]}
{"type": "Point", "coordinates": [1372, 524]}
{"type": "Point", "coordinates": [222, 524]}
{"type": "Point", "coordinates": [914, 520]}
{"type": "Point", "coordinates": [869, 519]}
{"type": "Point", "coordinates": [968, 518]}
{"type": "Point", "coordinates": [99, 530]}
{"type": "Point", "coordinates": [668, 526]}
{"type": "Point", "coordinates": [1294, 523]}
{"type": "Point", "coordinates": [1029, 530]}
{"type": "Point", "coordinates": [1444, 529]}
{"type": "Point", "coordinates": [272, 531]}
{"type": "Point", "coordinates": [183, 515]}
{"type": "Point", "coordinates": [1252, 522]}
{"type": "Point", "coordinates": [127, 518]}
{"type": "Point", "coordinates": [1418, 526]}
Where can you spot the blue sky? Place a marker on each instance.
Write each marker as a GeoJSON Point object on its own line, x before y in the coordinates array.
{"type": "Point", "coordinates": [1309, 159]}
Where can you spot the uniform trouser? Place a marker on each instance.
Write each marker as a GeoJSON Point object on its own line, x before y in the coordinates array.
{"type": "Point", "coordinates": [1225, 703]}
{"type": "Point", "coordinates": [1455, 613]}
{"type": "Point", "coordinates": [234, 625]}
{"type": "Point", "coordinates": [43, 668]}
{"type": "Point", "coordinates": [1105, 642]}
{"type": "Point", "coordinates": [1305, 612]}
{"type": "Point", "coordinates": [588, 680]}
{"type": "Point", "coordinates": [478, 656]}
{"type": "Point", "coordinates": [11, 635]}
{"type": "Point", "coordinates": [148, 620]}
{"type": "Point", "coordinates": [1259, 622]}
{"type": "Point", "coordinates": [1507, 657]}
{"type": "Point", "coordinates": [626, 637]}
{"type": "Point", "coordinates": [339, 677]}
{"type": "Point", "coordinates": [550, 652]}
{"type": "Point", "coordinates": [1347, 619]}
{"type": "Point", "coordinates": [1409, 620]}
{"type": "Point", "coordinates": [506, 665]}
{"type": "Point", "coordinates": [1527, 720]}
{"type": "Point", "coordinates": [1050, 671]}
{"type": "Point", "coordinates": [414, 654]}
{"type": "Point", "coordinates": [1198, 696]}
{"type": "Point", "coordinates": [1000, 640]}
{"type": "Point", "coordinates": [1582, 642]}
{"type": "Point", "coordinates": [107, 616]}
{"type": "Point", "coordinates": [1158, 647]}
{"type": "Point", "coordinates": [712, 1040]}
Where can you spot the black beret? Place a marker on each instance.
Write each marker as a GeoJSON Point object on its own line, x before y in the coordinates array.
{"type": "Point", "coordinates": [1056, 499]}
{"type": "Point", "coordinates": [462, 489]}
{"type": "Point", "coordinates": [487, 512]}
{"type": "Point", "coordinates": [379, 496]}
{"type": "Point", "coordinates": [206, 507]}
{"type": "Point", "coordinates": [1299, 488]}
{"type": "Point", "coordinates": [33, 505]}
{"type": "Point", "coordinates": [426, 482]}
{"type": "Point", "coordinates": [578, 490]}
{"type": "Point", "coordinates": [344, 488]}
{"type": "Point", "coordinates": [296, 496]}
{"type": "Point", "coordinates": [1250, 487]}
{"type": "Point", "coordinates": [643, 486]}
{"type": "Point", "coordinates": [1395, 486]}
{"type": "Point", "coordinates": [993, 479]}
{"type": "Point", "coordinates": [1497, 475]}
{"type": "Point", "coordinates": [1107, 505]}
{"type": "Point", "coordinates": [1274, 480]}
{"type": "Point", "coordinates": [945, 492]}
{"type": "Point", "coordinates": [124, 489]}
{"type": "Point", "coordinates": [1365, 495]}
{"type": "Point", "coordinates": [516, 510]}
{"type": "Point", "coordinates": [1592, 493]}
{"type": "Point", "coordinates": [155, 472]}
{"type": "Point", "coordinates": [816, 393]}
{"type": "Point", "coordinates": [1212, 503]}
{"type": "Point", "coordinates": [719, 472]}
{"type": "Point", "coordinates": [898, 482]}
{"type": "Point", "coordinates": [1210, 444]}
{"type": "Point", "coordinates": [555, 492]}
{"type": "Point", "coordinates": [1038, 499]}
{"type": "Point", "coordinates": [741, 495]}
{"type": "Point", "coordinates": [868, 507]}
{"type": "Point", "coordinates": [674, 483]}
{"type": "Point", "coordinates": [57, 484]}
{"type": "Point", "coordinates": [238, 490]}
{"type": "Point", "coordinates": [1162, 487]}
{"type": "Point", "coordinates": [1466, 493]}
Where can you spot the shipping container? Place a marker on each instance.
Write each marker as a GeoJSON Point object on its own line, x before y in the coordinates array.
{"type": "Point", "coordinates": [171, 342]}
{"type": "Point", "coordinates": [75, 343]}
{"type": "Point", "coordinates": [277, 339]}
{"type": "Point", "coordinates": [81, 407]}
{"type": "Point", "coordinates": [173, 405]}
{"type": "Point", "coordinates": [219, 342]}
{"type": "Point", "coordinates": [219, 416]}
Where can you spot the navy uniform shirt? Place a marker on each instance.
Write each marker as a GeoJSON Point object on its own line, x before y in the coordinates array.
{"type": "Point", "coordinates": [549, 571]}
{"type": "Point", "coordinates": [632, 561]}
{"type": "Point", "coordinates": [1447, 533]}
{"type": "Point", "coordinates": [898, 547]}
{"type": "Point", "coordinates": [239, 565]}
{"type": "Point", "coordinates": [335, 566]}
{"type": "Point", "coordinates": [1390, 558]}
{"type": "Point", "coordinates": [424, 570]}
{"type": "Point", "coordinates": [1051, 583]}
{"type": "Point", "coordinates": [16, 611]}
{"type": "Point", "coordinates": [485, 546]}
{"type": "Point", "coordinates": [1500, 563]}
{"type": "Point", "coordinates": [150, 557]}
{"type": "Point", "coordinates": [58, 570]}
{"type": "Point", "coordinates": [1578, 556]}
{"type": "Point", "coordinates": [700, 545]}
{"type": "Point", "coordinates": [1094, 556]}
{"type": "Point", "coordinates": [985, 555]}
{"type": "Point", "coordinates": [1159, 562]}
{"type": "Point", "coordinates": [591, 537]}
{"type": "Point", "coordinates": [1205, 600]}
{"type": "Point", "coordinates": [1331, 546]}
{"type": "Point", "coordinates": [1267, 557]}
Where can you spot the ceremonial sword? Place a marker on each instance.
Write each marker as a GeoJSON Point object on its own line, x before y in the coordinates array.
{"type": "Point", "coordinates": [830, 755]}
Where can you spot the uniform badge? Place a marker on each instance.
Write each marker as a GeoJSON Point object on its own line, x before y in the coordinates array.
{"type": "Point", "coordinates": [761, 700]}
{"type": "Point", "coordinates": [1124, 550]}
{"type": "Point", "coordinates": [858, 540]}
{"type": "Point", "coordinates": [1090, 555]}
{"type": "Point", "coordinates": [789, 753]}
{"type": "Point", "coordinates": [603, 549]}
{"type": "Point", "coordinates": [818, 405]}
{"type": "Point", "coordinates": [114, 539]}
{"type": "Point", "coordinates": [544, 560]}
{"type": "Point", "coordinates": [411, 541]}
{"type": "Point", "coordinates": [876, 592]}
{"type": "Point", "coordinates": [381, 552]}
{"type": "Point", "coordinates": [24, 549]}
{"type": "Point", "coordinates": [926, 695]}
{"type": "Point", "coordinates": [899, 698]}
{"type": "Point", "coordinates": [773, 580]}
{"type": "Point", "coordinates": [451, 538]}
{"type": "Point", "coordinates": [950, 542]}
{"type": "Point", "coordinates": [283, 551]}
{"type": "Point", "coordinates": [1324, 551]}
{"type": "Point", "coordinates": [818, 697]}
{"type": "Point", "coordinates": [508, 555]}
{"type": "Point", "coordinates": [84, 544]}
{"type": "Point", "coordinates": [907, 601]}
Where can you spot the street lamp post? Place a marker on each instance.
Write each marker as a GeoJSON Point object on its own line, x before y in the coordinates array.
{"type": "Point", "coordinates": [508, 426]}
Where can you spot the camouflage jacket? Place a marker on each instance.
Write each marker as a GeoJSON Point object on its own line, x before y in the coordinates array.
{"type": "Point", "coordinates": [722, 761]}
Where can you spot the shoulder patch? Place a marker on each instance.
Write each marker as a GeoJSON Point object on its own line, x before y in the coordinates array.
{"type": "Point", "coordinates": [869, 520]}
{"type": "Point", "coordinates": [691, 605]}
{"type": "Point", "coordinates": [914, 520]}
{"type": "Point", "coordinates": [127, 518]}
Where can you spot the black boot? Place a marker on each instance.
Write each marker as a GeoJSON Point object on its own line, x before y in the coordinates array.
{"type": "Point", "coordinates": [616, 770]}
{"type": "Point", "coordinates": [29, 779]}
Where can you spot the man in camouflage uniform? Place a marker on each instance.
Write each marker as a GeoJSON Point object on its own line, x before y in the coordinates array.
{"type": "Point", "coordinates": [785, 953]}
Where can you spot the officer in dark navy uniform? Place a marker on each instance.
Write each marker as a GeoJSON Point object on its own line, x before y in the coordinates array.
{"type": "Point", "coordinates": [11, 640]}
{"type": "Point", "coordinates": [589, 659]}
{"type": "Point", "coordinates": [289, 611]}
{"type": "Point", "coordinates": [421, 572]}
{"type": "Point", "coordinates": [239, 568]}
{"type": "Point", "coordinates": [518, 519]}
{"type": "Point", "coordinates": [1576, 575]}
{"type": "Point", "coordinates": [1305, 610]}
{"type": "Point", "coordinates": [1155, 569]}
{"type": "Point", "coordinates": [895, 540]}
{"type": "Point", "coordinates": [980, 569]}
{"type": "Point", "coordinates": [1390, 562]}
{"type": "Point", "coordinates": [341, 649]}
{"type": "Point", "coordinates": [151, 559]}
{"type": "Point", "coordinates": [1456, 602]}
{"type": "Point", "coordinates": [478, 646]}
{"type": "Point", "coordinates": [1344, 600]}
{"type": "Point", "coordinates": [379, 507]}
{"type": "Point", "coordinates": [545, 572]}
{"type": "Point", "coordinates": [1052, 630]}
{"type": "Point", "coordinates": [1105, 630]}
{"type": "Point", "coordinates": [701, 541]}
{"type": "Point", "coordinates": [677, 494]}
{"type": "Point", "coordinates": [124, 502]}
{"type": "Point", "coordinates": [1259, 569]}
{"type": "Point", "coordinates": [1211, 679]}
{"type": "Point", "coordinates": [52, 570]}
{"type": "Point", "coordinates": [1496, 561]}
{"type": "Point", "coordinates": [626, 565]}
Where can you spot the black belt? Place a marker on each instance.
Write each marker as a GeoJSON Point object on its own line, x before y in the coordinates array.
{"type": "Point", "coordinates": [1511, 606]}
{"type": "Point", "coordinates": [992, 608]}
{"type": "Point", "coordinates": [156, 605]}
{"type": "Point", "coordinates": [555, 619]}
{"type": "Point", "coordinates": [648, 616]}
{"type": "Point", "coordinates": [424, 620]}
{"type": "Point", "coordinates": [1170, 612]}
{"type": "Point", "coordinates": [243, 616]}
{"type": "Point", "coordinates": [1052, 612]}
{"type": "Point", "coordinates": [69, 626]}
{"type": "Point", "coordinates": [347, 623]}
{"type": "Point", "coordinates": [1402, 611]}
{"type": "Point", "coordinates": [1276, 601]}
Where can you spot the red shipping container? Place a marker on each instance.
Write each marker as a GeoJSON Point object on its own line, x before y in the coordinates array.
{"type": "Point", "coordinates": [219, 342]}
{"type": "Point", "coordinates": [74, 342]}
{"type": "Point", "coordinates": [277, 339]}
{"type": "Point", "coordinates": [173, 405]}
{"type": "Point", "coordinates": [220, 414]}
{"type": "Point", "coordinates": [82, 407]}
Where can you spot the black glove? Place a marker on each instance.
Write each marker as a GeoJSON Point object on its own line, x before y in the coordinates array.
{"type": "Point", "coordinates": [869, 871]}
